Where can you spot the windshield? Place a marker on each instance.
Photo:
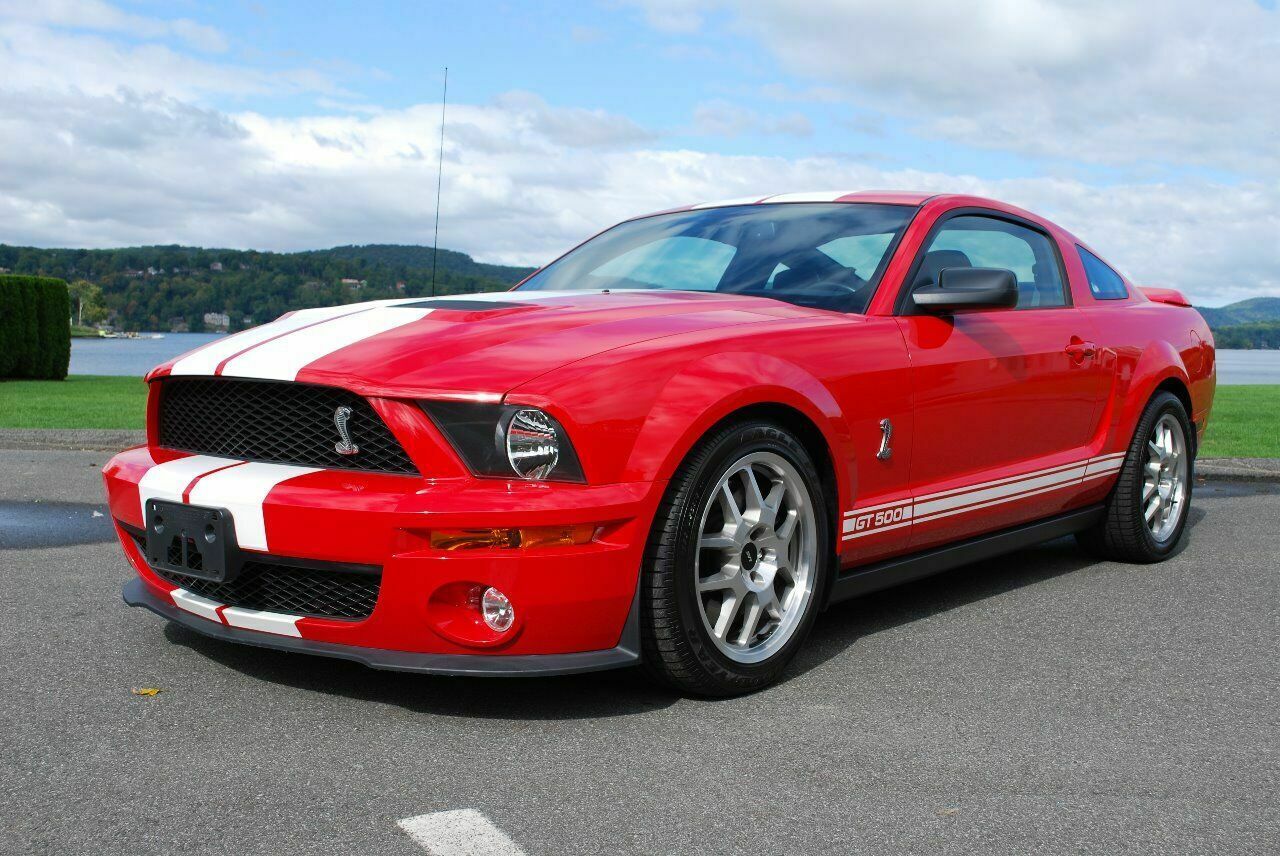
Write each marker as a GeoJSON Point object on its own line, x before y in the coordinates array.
{"type": "Point", "coordinates": [828, 256]}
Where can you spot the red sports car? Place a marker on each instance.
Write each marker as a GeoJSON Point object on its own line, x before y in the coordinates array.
{"type": "Point", "coordinates": [672, 447]}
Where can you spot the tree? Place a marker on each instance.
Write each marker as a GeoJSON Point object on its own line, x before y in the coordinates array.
{"type": "Point", "coordinates": [86, 302]}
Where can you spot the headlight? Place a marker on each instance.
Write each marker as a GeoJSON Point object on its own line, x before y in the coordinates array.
{"type": "Point", "coordinates": [507, 440]}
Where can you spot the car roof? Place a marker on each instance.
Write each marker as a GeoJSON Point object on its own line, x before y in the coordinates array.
{"type": "Point", "coordinates": [913, 198]}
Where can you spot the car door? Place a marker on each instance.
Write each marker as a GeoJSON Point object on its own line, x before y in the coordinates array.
{"type": "Point", "coordinates": [1005, 398]}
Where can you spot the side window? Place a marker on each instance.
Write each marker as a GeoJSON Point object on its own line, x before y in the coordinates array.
{"type": "Point", "coordinates": [1104, 283]}
{"type": "Point", "coordinates": [977, 241]}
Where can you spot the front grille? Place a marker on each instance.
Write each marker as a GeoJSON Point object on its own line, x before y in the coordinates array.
{"type": "Point", "coordinates": [295, 591]}
{"type": "Point", "coordinates": [276, 422]}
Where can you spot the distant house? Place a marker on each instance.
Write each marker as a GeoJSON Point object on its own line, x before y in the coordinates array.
{"type": "Point", "coordinates": [216, 267]}
{"type": "Point", "coordinates": [4, 270]}
{"type": "Point", "coordinates": [218, 321]}
{"type": "Point", "coordinates": [152, 272]}
{"type": "Point", "coordinates": [178, 324]}
{"type": "Point", "coordinates": [355, 284]}
{"type": "Point", "coordinates": [400, 286]}
{"type": "Point", "coordinates": [134, 274]}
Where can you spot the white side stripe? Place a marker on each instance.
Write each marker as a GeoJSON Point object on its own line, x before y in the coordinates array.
{"type": "Point", "coordinates": [168, 480]}
{"type": "Point", "coordinates": [265, 622]}
{"type": "Point", "coordinates": [857, 512]}
{"type": "Point", "coordinates": [465, 832]}
{"type": "Point", "coordinates": [887, 516]}
{"type": "Point", "coordinates": [1096, 467]}
{"type": "Point", "coordinates": [1010, 490]}
{"type": "Point", "coordinates": [283, 358]}
{"type": "Point", "coordinates": [997, 482]}
{"type": "Point", "coordinates": [196, 604]}
{"type": "Point", "coordinates": [242, 490]}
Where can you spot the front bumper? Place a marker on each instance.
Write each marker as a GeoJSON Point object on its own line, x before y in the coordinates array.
{"type": "Point", "coordinates": [626, 653]}
{"type": "Point", "coordinates": [575, 605]}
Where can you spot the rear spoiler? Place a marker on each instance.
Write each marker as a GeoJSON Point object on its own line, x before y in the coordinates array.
{"type": "Point", "coordinates": [1170, 296]}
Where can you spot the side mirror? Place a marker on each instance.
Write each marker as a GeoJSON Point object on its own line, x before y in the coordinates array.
{"type": "Point", "coordinates": [968, 288]}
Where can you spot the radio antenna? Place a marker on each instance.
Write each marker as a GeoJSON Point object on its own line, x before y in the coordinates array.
{"type": "Point", "coordinates": [435, 241]}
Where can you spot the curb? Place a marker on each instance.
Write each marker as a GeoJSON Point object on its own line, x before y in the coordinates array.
{"type": "Point", "coordinates": [63, 439]}
{"type": "Point", "coordinates": [1242, 469]}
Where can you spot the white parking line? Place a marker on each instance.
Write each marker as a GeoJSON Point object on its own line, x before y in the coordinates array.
{"type": "Point", "coordinates": [463, 832]}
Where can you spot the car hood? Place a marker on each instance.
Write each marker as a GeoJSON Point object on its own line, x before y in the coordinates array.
{"type": "Point", "coordinates": [463, 346]}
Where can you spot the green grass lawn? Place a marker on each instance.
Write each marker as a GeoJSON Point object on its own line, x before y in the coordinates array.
{"type": "Point", "coordinates": [80, 401]}
{"type": "Point", "coordinates": [1245, 421]}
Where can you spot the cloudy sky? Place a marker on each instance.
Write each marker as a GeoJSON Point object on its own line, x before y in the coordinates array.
{"type": "Point", "coordinates": [1151, 129]}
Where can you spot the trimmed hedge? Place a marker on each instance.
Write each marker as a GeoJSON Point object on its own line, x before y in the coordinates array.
{"type": "Point", "coordinates": [35, 328]}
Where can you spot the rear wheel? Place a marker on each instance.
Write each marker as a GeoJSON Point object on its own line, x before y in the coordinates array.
{"type": "Point", "coordinates": [738, 553]}
{"type": "Point", "coordinates": [1147, 510]}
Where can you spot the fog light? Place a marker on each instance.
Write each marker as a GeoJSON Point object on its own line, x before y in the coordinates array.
{"type": "Point", "coordinates": [497, 610]}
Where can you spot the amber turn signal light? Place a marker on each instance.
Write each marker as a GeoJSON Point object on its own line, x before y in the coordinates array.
{"type": "Point", "coordinates": [525, 538]}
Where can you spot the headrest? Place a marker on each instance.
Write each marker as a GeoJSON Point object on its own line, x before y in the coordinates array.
{"type": "Point", "coordinates": [935, 261]}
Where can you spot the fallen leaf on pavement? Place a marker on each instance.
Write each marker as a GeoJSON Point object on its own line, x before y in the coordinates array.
{"type": "Point", "coordinates": [147, 691]}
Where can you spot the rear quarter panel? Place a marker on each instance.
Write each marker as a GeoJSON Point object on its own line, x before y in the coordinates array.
{"type": "Point", "coordinates": [1152, 343]}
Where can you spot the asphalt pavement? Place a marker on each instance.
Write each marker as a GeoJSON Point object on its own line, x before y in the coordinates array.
{"type": "Point", "coordinates": [1040, 703]}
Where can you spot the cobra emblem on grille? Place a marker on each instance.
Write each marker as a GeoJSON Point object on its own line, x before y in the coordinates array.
{"type": "Point", "coordinates": [341, 417]}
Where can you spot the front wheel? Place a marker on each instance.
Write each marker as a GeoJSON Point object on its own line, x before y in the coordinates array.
{"type": "Point", "coordinates": [1147, 510]}
{"type": "Point", "coordinates": [737, 557]}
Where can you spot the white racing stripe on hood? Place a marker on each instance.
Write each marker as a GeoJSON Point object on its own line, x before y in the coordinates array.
{"type": "Point", "coordinates": [283, 358]}
{"type": "Point", "coordinates": [204, 361]}
{"type": "Point", "coordinates": [280, 349]}
{"type": "Point", "coordinates": [242, 490]}
{"type": "Point", "coordinates": [168, 480]}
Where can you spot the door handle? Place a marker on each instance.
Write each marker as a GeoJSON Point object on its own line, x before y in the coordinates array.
{"type": "Point", "coordinates": [1080, 350]}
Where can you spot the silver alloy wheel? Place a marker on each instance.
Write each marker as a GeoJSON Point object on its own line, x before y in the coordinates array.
{"type": "Point", "coordinates": [757, 557]}
{"type": "Point", "coordinates": [1164, 478]}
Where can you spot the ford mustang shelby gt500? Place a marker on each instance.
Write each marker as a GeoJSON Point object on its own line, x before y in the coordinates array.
{"type": "Point", "coordinates": [672, 446]}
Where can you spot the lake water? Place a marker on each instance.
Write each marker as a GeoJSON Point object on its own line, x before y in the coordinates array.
{"type": "Point", "coordinates": [132, 356]}
{"type": "Point", "coordinates": [138, 356]}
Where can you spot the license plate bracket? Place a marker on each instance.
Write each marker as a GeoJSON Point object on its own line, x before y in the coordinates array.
{"type": "Point", "coordinates": [192, 540]}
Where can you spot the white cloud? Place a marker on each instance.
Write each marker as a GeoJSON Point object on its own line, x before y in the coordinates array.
{"type": "Point", "coordinates": [100, 16]}
{"type": "Point", "coordinates": [1119, 83]}
{"type": "Point", "coordinates": [114, 145]}
{"type": "Point", "coordinates": [722, 118]}
{"type": "Point", "coordinates": [35, 57]}
{"type": "Point", "coordinates": [514, 191]}
{"type": "Point", "coordinates": [673, 16]}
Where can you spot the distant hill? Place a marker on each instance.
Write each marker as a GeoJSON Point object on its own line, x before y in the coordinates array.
{"type": "Point", "coordinates": [1248, 324]}
{"type": "Point", "coordinates": [1261, 335]}
{"type": "Point", "coordinates": [417, 257]}
{"type": "Point", "coordinates": [195, 288]}
{"type": "Point", "coordinates": [1253, 310]}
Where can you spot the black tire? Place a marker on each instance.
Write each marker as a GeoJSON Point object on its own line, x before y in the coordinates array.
{"type": "Point", "coordinates": [1123, 535]}
{"type": "Point", "coordinates": [677, 648]}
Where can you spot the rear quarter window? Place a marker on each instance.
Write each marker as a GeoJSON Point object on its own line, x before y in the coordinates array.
{"type": "Point", "coordinates": [1104, 283]}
